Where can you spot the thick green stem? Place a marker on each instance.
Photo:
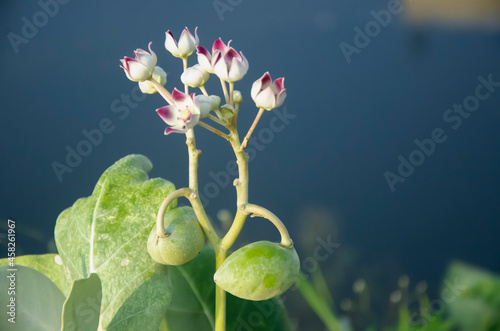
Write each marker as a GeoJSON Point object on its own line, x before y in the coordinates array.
{"type": "Point", "coordinates": [242, 191]}
{"type": "Point", "coordinates": [193, 160]}
{"type": "Point", "coordinates": [220, 296]}
{"type": "Point", "coordinates": [193, 197]}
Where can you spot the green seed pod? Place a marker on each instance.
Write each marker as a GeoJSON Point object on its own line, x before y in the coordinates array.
{"type": "Point", "coordinates": [184, 239]}
{"type": "Point", "coordinates": [259, 271]}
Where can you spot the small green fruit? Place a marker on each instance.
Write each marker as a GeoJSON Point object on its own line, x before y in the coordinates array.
{"type": "Point", "coordinates": [259, 271]}
{"type": "Point", "coordinates": [184, 241]}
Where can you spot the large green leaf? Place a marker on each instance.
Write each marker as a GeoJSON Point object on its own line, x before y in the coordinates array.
{"type": "Point", "coordinates": [48, 264]}
{"type": "Point", "coordinates": [82, 307]}
{"type": "Point", "coordinates": [107, 233]}
{"type": "Point", "coordinates": [29, 297]}
{"type": "Point", "coordinates": [193, 302]}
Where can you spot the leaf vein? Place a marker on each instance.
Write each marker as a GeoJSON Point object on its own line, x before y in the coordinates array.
{"type": "Point", "coordinates": [198, 296]}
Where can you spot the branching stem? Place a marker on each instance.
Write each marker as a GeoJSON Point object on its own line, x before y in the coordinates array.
{"type": "Point", "coordinates": [214, 130]}
{"type": "Point", "coordinates": [252, 128]}
{"type": "Point", "coordinates": [216, 120]}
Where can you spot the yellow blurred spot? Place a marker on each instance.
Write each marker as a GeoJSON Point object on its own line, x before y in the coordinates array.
{"type": "Point", "coordinates": [478, 13]}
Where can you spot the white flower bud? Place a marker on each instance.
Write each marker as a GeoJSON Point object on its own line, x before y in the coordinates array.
{"type": "Point", "coordinates": [159, 75]}
{"type": "Point", "coordinates": [204, 104]}
{"type": "Point", "coordinates": [195, 76]}
{"type": "Point", "coordinates": [214, 102]}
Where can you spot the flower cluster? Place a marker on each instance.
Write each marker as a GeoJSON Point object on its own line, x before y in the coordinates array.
{"type": "Point", "coordinates": [184, 110]}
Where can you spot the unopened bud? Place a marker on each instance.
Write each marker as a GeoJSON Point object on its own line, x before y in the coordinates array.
{"type": "Point", "coordinates": [237, 97]}
{"type": "Point", "coordinates": [227, 111]}
{"type": "Point", "coordinates": [214, 102]}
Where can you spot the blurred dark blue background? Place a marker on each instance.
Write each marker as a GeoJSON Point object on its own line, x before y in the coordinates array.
{"type": "Point", "coordinates": [353, 121]}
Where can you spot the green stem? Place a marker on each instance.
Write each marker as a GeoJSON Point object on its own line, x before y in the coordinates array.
{"type": "Point", "coordinates": [220, 253]}
{"type": "Point", "coordinates": [160, 229]}
{"type": "Point", "coordinates": [216, 120]}
{"type": "Point", "coordinates": [193, 197]}
{"type": "Point", "coordinates": [220, 296]}
{"type": "Point", "coordinates": [286, 241]}
{"type": "Point", "coordinates": [242, 199]}
{"type": "Point", "coordinates": [214, 130]}
{"type": "Point", "coordinates": [250, 131]}
{"type": "Point", "coordinates": [193, 160]}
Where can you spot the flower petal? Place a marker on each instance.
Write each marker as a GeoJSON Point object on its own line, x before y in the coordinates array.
{"type": "Point", "coordinates": [171, 44]}
{"type": "Point", "coordinates": [187, 43]}
{"type": "Point", "coordinates": [220, 68]}
{"type": "Point", "coordinates": [137, 71]}
{"type": "Point", "coordinates": [238, 68]}
{"type": "Point", "coordinates": [279, 84]}
{"type": "Point", "coordinates": [281, 98]}
{"type": "Point", "coordinates": [205, 59]}
{"type": "Point", "coordinates": [147, 59]}
{"type": "Point", "coordinates": [196, 39]}
{"type": "Point", "coordinates": [257, 86]}
{"type": "Point", "coordinates": [178, 96]}
{"type": "Point", "coordinates": [218, 45]}
{"type": "Point", "coordinates": [168, 114]}
{"type": "Point", "coordinates": [266, 99]}
{"type": "Point", "coordinates": [193, 120]}
{"type": "Point", "coordinates": [125, 67]}
{"type": "Point", "coordinates": [175, 129]}
{"type": "Point", "coordinates": [266, 80]}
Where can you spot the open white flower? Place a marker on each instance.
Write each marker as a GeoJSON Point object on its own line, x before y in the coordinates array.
{"type": "Point", "coordinates": [182, 115]}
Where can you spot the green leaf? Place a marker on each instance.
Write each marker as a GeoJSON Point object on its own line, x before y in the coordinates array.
{"type": "Point", "coordinates": [38, 302]}
{"type": "Point", "coordinates": [193, 302]}
{"type": "Point", "coordinates": [48, 264]}
{"type": "Point", "coordinates": [107, 233]}
{"type": "Point", "coordinates": [83, 305]}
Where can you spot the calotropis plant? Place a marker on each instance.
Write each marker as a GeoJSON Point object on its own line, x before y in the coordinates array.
{"type": "Point", "coordinates": [257, 271]}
